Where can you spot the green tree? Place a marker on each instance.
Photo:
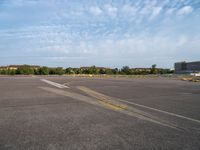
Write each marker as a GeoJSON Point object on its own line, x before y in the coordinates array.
{"type": "Point", "coordinates": [85, 71]}
{"type": "Point", "coordinates": [102, 71]}
{"type": "Point", "coordinates": [115, 71]}
{"type": "Point", "coordinates": [36, 72]}
{"type": "Point", "coordinates": [44, 71]}
{"type": "Point", "coordinates": [76, 71]}
{"type": "Point", "coordinates": [4, 71]}
{"type": "Point", "coordinates": [25, 70]}
{"type": "Point", "coordinates": [126, 70]}
{"type": "Point", "coordinates": [109, 71]}
{"type": "Point", "coordinates": [69, 71]}
{"type": "Point", "coordinates": [93, 70]}
{"type": "Point", "coordinates": [153, 69]}
{"type": "Point", "coordinates": [52, 71]}
{"type": "Point", "coordinates": [59, 71]}
{"type": "Point", "coordinates": [11, 72]}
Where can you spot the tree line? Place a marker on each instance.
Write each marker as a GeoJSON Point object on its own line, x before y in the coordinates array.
{"type": "Point", "coordinates": [126, 70]}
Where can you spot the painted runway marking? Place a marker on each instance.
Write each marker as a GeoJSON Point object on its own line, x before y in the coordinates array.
{"type": "Point", "coordinates": [103, 98]}
{"type": "Point", "coordinates": [126, 109]}
{"type": "Point", "coordinates": [131, 112]}
{"type": "Point", "coordinates": [186, 93]}
{"type": "Point", "coordinates": [66, 84]}
{"type": "Point", "coordinates": [109, 105]}
{"type": "Point", "coordinates": [54, 84]}
{"type": "Point", "coordinates": [162, 111]}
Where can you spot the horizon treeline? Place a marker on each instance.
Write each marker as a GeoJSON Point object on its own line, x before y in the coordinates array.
{"type": "Point", "coordinates": [126, 70]}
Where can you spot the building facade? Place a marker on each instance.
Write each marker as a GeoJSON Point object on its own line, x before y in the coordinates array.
{"type": "Point", "coordinates": [187, 67]}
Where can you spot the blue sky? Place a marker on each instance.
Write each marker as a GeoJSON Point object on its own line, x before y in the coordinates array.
{"type": "Point", "coordinates": [110, 33]}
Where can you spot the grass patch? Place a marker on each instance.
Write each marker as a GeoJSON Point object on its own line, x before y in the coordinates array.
{"type": "Point", "coordinates": [191, 79]}
{"type": "Point", "coordinates": [113, 76]}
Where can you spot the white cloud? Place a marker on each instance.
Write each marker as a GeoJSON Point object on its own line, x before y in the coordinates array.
{"type": "Point", "coordinates": [156, 12]}
{"type": "Point", "coordinates": [124, 29]}
{"type": "Point", "coordinates": [185, 10]}
{"type": "Point", "coordinates": [127, 9]}
{"type": "Point", "coordinates": [182, 40]}
{"type": "Point", "coordinates": [170, 11]}
{"type": "Point", "coordinates": [140, 47]}
{"type": "Point", "coordinates": [95, 10]}
{"type": "Point", "coordinates": [112, 11]}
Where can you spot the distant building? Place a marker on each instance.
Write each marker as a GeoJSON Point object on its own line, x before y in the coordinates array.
{"type": "Point", "coordinates": [15, 67]}
{"type": "Point", "coordinates": [187, 67]}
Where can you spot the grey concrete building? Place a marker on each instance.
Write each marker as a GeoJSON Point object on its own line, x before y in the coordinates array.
{"type": "Point", "coordinates": [187, 67]}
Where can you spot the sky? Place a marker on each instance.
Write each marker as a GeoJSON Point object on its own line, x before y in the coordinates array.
{"type": "Point", "coordinates": [107, 33]}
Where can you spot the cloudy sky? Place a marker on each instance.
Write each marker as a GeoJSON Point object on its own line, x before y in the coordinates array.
{"type": "Point", "coordinates": [110, 33]}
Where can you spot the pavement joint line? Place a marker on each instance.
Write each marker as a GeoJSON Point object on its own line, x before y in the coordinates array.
{"type": "Point", "coordinates": [162, 111]}
{"type": "Point", "coordinates": [54, 84]}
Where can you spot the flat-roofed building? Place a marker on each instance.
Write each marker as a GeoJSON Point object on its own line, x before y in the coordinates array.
{"type": "Point", "coordinates": [15, 67]}
{"type": "Point", "coordinates": [187, 67]}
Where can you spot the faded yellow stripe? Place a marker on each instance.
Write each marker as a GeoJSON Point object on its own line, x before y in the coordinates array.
{"type": "Point", "coordinates": [119, 106]}
{"type": "Point", "coordinates": [131, 111]}
{"type": "Point", "coordinates": [108, 105]}
{"type": "Point", "coordinates": [103, 99]}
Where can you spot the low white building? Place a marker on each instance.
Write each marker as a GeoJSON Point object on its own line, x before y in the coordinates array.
{"type": "Point", "coordinates": [196, 74]}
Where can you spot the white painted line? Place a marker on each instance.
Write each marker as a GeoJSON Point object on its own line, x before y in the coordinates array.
{"type": "Point", "coordinates": [66, 84]}
{"type": "Point", "coordinates": [54, 84]}
{"type": "Point", "coordinates": [186, 93]}
{"type": "Point", "coordinates": [90, 100]}
{"type": "Point", "coordinates": [162, 111]}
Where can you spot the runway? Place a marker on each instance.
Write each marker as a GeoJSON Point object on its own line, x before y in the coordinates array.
{"type": "Point", "coordinates": [63, 112]}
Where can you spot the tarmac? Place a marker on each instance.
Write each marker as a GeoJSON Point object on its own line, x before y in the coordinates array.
{"type": "Point", "coordinates": [82, 113]}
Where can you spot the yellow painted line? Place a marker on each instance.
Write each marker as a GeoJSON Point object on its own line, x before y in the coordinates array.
{"type": "Point", "coordinates": [118, 106]}
{"type": "Point", "coordinates": [104, 99]}
{"type": "Point", "coordinates": [102, 103]}
{"type": "Point", "coordinates": [111, 106]}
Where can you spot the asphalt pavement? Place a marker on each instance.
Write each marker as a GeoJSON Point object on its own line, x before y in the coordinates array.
{"type": "Point", "coordinates": [77, 113]}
